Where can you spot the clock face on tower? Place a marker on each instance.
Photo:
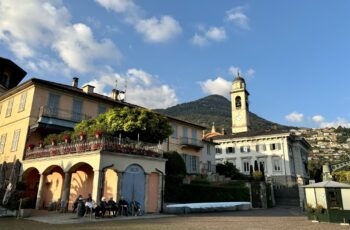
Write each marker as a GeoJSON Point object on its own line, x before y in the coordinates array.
{"type": "Point", "coordinates": [238, 117]}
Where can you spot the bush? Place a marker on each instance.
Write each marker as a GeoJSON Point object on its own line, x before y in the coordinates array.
{"type": "Point", "coordinates": [175, 165]}
{"type": "Point", "coordinates": [229, 170]}
{"type": "Point", "coordinates": [207, 193]}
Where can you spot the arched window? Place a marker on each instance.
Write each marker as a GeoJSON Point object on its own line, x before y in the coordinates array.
{"type": "Point", "coordinates": [238, 102]}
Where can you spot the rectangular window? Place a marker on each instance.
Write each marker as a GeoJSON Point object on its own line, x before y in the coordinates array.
{"type": "Point", "coordinates": [2, 142]}
{"type": "Point", "coordinates": [174, 131]}
{"type": "Point", "coordinates": [194, 163]}
{"type": "Point", "coordinates": [9, 107]}
{"type": "Point", "coordinates": [260, 148]}
{"type": "Point", "coordinates": [15, 140]}
{"type": "Point", "coordinates": [194, 136]}
{"type": "Point", "coordinates": [101, 109]}
{"type": "Point", "coordinates": [209, 166]}
{"type": "Point", "coordinates": [246, 167]}
{"type": "Point", "coordinates": [245, 149]}
{"type": "Point", "coordinates": [77, 109]}
{"type": "Point", "coordinates": [208, 149]}
{"type": "Point", "coordinates": [262, 165]}
{"type": "Point", "coordinates": [218, 150]}
{"type": "Point", "coordinates": [184, 135]}
{"type": "Point", "coordinates": [230, 150]}
{"type": "Point", "coordinates": [22, 103]}
{"type": "Point", "coordinates": [53, 103]}
{"type": "Point", "coordinates": [277, 164]}
{"type": "Point", "coordinates": [276, 146]}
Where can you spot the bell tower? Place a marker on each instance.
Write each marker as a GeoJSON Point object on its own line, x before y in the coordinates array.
{"type": "Point", "coordinates": [239, 106]}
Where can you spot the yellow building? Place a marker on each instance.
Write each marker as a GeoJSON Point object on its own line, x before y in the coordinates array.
{"type": "Point", "coordinates": [36, 108]}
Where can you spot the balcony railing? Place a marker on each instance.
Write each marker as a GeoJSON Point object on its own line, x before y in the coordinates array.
{"type": "Point", "coordinates": [186, 141]}
{"type": "Point", "coordinates": [105, 144]}
{"type": "Point", "coordinates": [52, 112]}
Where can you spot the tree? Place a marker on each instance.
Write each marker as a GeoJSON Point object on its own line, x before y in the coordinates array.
{"type": "Point", "coordinates": [315, 169]}
{"type": "Point", "coordinates": [131, 122]}
{"type": "Point", "coordinates": [175, 171]}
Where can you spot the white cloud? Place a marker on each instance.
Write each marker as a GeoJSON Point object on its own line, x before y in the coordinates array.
{"type": "Point", "coordinates": [199, 40]}
{"type": "Point", "coordinates": [158, 30]}
{"type": "Point", "coordinates": [153, 30]}
{"type": "Point", "coordinates": [237, 16]}
{"type": "Point", "coordinates": [78, 48]}
{"type": "Point", "coordinates": [216, 33]}
{"type": "Point", "coordinates": [218, 86]}
{"type": "Point", "coordinates": [203, 36]}
{"type": "Point", "coordinates": [322, 123]}
{"type": "Point", "coordinates": [295, 117]}
{"type": "Point", "coordinates": [143, 88]}
{"type": "Point", "coordinates": [249, 73]}
{"type": "Point", "coordinates": [33, 29]}
{"type": "Point", "coordinates": [318, 119]}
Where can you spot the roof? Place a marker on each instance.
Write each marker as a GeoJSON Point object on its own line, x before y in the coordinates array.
{"type": "Point", "coordinates": [17, 72]}
{"type": "Point", "coordinates": [77, 90]}
{"type": "Point", "coordinates": [251, 134]}
{"type": "Point", "coordinates": [327, 184]}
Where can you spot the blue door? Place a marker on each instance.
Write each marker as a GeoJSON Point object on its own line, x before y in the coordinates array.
{"type": "Point", "coordinates": [133, 186]}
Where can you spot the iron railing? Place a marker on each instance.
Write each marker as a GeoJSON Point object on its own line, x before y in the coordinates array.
{"type": "Point", "coordinates": [47, 111]}
{"type": "Point", "coordinates": [190, 141]}
{"type": "Point", "coordinates": [117, 145]}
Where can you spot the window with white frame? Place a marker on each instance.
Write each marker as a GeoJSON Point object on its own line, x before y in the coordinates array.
{"type": "Point", "coordinates": [2, 142]}
{"type": "Point", "coordinates": [277, 164]}
{"type": "Point", "coordinates": [15, 140]}
{"type": "Point", "coordinates": [218, 150]}
{"type": "Point", "coordinates": [9, 107]}
{"type": "Point", "coordinates": [22, 102]}
{"type": "Point", "coordinates": [230, 150]}
{"type": "Point", "coordinates": [246, 166]}
{"type": "Point", "coordinates": [275, 146]}
{"type": "Point", "coordinates": [245, 149]}
{"type": "Point", "coordinates": [260, 147]}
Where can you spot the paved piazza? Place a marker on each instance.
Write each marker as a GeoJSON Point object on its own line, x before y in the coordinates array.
{"type": "Point", "coordinates": [276, 218]}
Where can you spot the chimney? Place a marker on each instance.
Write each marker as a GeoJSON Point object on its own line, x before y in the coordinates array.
{"type": "Point", "coordinates": [88, 88]}
{"type": "Point", "coordinates": [115, 93]}
{"type": "Point", "coordinates": [75, 81]}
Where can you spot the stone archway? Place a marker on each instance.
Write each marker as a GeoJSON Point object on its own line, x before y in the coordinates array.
{"type": "Point", "coordinates": [31, 177]}
{"type": "Point", "coordinates": [52, 185]}
{"type": "Point", "coordinates": [133, 184]}
{"type": "Point", "coordinates": [82, 176]}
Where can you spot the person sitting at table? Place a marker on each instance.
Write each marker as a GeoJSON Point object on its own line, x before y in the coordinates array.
{"type": "Point", "coordinates": [123, 206]}
{"type": "Point", "coordinates": [113, 206]}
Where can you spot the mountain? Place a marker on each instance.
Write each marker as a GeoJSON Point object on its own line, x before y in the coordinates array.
{"type": "Point", "coordinates": [215, 108]}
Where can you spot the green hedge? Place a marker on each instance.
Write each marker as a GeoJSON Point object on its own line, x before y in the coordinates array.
{"type": "Point", "coordinates": [194, 193]}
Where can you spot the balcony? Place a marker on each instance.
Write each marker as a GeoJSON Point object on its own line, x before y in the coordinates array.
{"type": "Point", "coordinates": [190, 142]}
{"type": "Point", "coordinates": [55, 117]}
{"type": "Point", "coordinates": [105, 144]}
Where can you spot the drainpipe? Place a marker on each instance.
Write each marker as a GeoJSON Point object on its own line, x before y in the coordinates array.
{"type": "Point", "coordinates": [162, 191]}
{"type": "Point", "coordinates": [103, 178]}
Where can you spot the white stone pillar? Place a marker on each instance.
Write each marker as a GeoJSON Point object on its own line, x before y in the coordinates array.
{"type": "Point", "coordinates": [65, 191]}
{"type": "Point", "coordinates": [40, 191]}
{"type": "Point", "coordinates": [96, 186]}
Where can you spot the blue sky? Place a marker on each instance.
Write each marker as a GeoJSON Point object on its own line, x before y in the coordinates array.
{"type": "Point", "coordinates": [294, 54]}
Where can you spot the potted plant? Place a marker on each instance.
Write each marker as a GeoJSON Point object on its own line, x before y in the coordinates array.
{"type": "Point", "coordinates": [41, 144]}
{"type": "Point", "coordinates": [98, 134]}
{"type": "Point", "coordinates": [82, 136]}
{"type": "Point", "coordinates": [26, 206]}
{"type": "Point", "coordinates": [30, 146]}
